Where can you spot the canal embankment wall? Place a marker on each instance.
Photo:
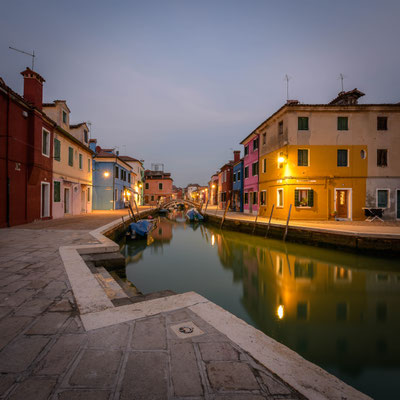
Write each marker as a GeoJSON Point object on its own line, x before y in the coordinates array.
{"type": "Point", "coordinates": [378, 243]}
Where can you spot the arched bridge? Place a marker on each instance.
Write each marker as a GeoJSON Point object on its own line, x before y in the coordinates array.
{"type": "Point", "coordinates": [190, 203]}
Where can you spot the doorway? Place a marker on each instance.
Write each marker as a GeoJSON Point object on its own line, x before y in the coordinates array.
{"type": "Point", "coordinates": [66, 200]}
{"type": "Point", "coordinates": [83, 201]}
{"type": "Point", "coordinates": [250, 202]}
{"type": "Point", "coordinates": [343, 203]}
{"type": "Point", "coordinates": [45, 200]}
{"type": "Point", "coordinates": [398, 203]}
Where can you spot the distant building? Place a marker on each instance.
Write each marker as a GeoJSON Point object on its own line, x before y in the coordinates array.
{"type": "Point", "coordinates": [190, 189]}
{"type": "Point", "coordinates": [157, 187]}
{"type": "Point", "coordinates": [112, 179]}
{"type": "Point", "coordinates": [213, 187]}
{"type": "Point", "coordinates": [237, 186]}
{"type": "Point", "coordinates": [177, 193]}
{"type": "Point", "coordinates": [137, 177]}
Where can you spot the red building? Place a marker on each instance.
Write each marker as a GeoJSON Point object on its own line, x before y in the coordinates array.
{"type": "Point", "coordinates": [26, 153]}
{"type": "Point", "coordinates": [157, 187]}
{"type": "Point", "coordinates": [225, 181]}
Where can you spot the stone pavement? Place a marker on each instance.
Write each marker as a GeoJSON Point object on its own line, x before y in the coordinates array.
{"type": "Point", "coordinates": [374, 228]}
{"type": "Point", "coordinates": [45, 353]}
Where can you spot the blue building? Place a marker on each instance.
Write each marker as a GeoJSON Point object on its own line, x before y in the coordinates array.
{"type": "Point", "coordinates": [112, 179]}
{"type": "Point", "coordinates": [237, 186]}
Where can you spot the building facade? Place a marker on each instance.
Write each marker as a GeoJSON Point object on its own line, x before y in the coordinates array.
{"type": "Point", "coordinates": [137, 177]}
{"type": "Point", "coordinates": [237, 186]}
{"type": "Point", "coordinates": [330, 161]}
{"type": "Point", "coordinates": [26, 148]}
{"type": "Point", "coordinates": [213, 190]}
{"type": "Point", "coordinates": [157, 187]}
{"type": "Point", "coordinates": [250, 172]}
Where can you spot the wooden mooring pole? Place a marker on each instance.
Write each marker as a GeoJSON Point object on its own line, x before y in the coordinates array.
{"type": "Point", "coordinates": [255, 221]}
{"type": "Point", "coordinates": [270, 217]}
{"type": "Point", "coordinates": [137, 209]}
{"type": "Point", "coordinates": [226, 210]}
{"type": "Point", "coordinates": [287, 223]}
{"type": "Point", "coordinates": [205, 210]}
{"type": "Point", "coordinates": [133, 214]}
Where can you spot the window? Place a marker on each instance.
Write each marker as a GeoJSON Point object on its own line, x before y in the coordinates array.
{"type": "Point", "coordinates": [152, 198]}
{"type": "Point", "coordinates": [381, 158]}
{"type": "Point", "coordinates": [246, 150]}
{"type": "Point", "coordinates": [264, 138]}
{"type": "Point", "coordinates": [88, 164]}
{"type": "Point", "coordinates": [45, 143]}
{"type": "Point", "coordinates": [88, 195]}
{"type": "Point", "coordinates": [160, 186]}
{"type": "Point", "coordinates": [57, 191]}
{"type": "Point", "coordinates": [382, 123]}
{"type": "Point", "coordinates": [254, 197]}
{"type": "Point", "coordinates": [57, 150]}
{"type": "Point", "coordinates": [85, 135]}
{"type": "Point", "coordinates": [116, 172]}
{"type": "Point", "coordinates": [129, 178]}
{"type": "Point", "coordinates": [342, 123]}
{"type": "Point", "coordinates": [238, 176]}
{"type": "Point", "coordinates": [263, 197]}
{"type": "Point", "coordinates": [146, 186]}
{"type": "Point", "coordinates": [279, 198]}
{"type": "Point", "coordinates": [302, 123]}
{"type": "Point", "coordinates": [342, 158]}
{"type": "Point", "coordinates": [255, 144]}
{"type": "Point", "coordinates": [70, 156]}
{"type": "Point", "coordinates": [363, 154]}
{"type": "Point", "coordinates": [246, 198]}
{"type": "Point", "coordinates": [246, 172]}
{"type": "Point", "coordinates": [254, 169]}
{"type": "Point", "coordinates": [303, 198]}
{"type": "Point", "coordinates": [280, 128]}
{"type": "Point", "coordinates": [382, 198]}
{"type": "Point", "coordinates": [64, 117]}
{"type": "Point", "coordinates": [234, 177]}
{"type": "Point", "coordinates": [302, 157]}
{"type": "Point", "coordinates": [80, 161]}
{"type": "Point", "coordinates": [116, 195]}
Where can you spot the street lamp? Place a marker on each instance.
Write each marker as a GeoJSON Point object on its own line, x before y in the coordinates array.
{"type": "Point", "coordinates": [106, 174]}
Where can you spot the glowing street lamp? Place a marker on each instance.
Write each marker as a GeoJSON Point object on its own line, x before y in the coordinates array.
{"type": "Point", "coordinates": [106, 174]}
{"type": "Point", "coordinates": [280, 312]}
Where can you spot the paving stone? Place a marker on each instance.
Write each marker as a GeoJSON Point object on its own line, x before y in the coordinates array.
{"type": "Point", "coordinates": [184, 370]}
{"type": "Point", "coordinates": [231, 376]}
{"type": "Point", "coordinates": [16, 299]}
{"type": "Point", "coordinates": [33, 389]}
{"type": "Point", "coordinates": [243, 396]}
{"type": "Point", "coordinates": [60, 355]}
{"type": "Point", "coordinates": [97, 369]}
{"type": "Point", "coordinates": [37, 284]}
{"type": "Point", "coordinates": [178, 316]}
{"type": "Point", "coordinates": [111, 337]}
{"type": "Point", "coordinates": [13, 287]}
{"type": "Point", "coordinates": [84, 395]}
{"type": "Point", "coordinates": [221, 351]}
{"type": "Point", "coordinates": [4, 311]}
{"type": "Point", "coordinates": [10, 327]}
{"type": "Point", "coordinates": [53, 289]}
{"type": "Point", "coordinates": [145, 376]}
{"type": "Point", "coordinates": [63, 305]}
{"type": "Point", "coordinates": [274, 386]}
{"type": "Point", "coordinates": [149, 334]}
{"type": "Point", "coordinates": [6, 381]}
{"type": "Point", "coordinates": [34, 307]}
{"type": "Point", "coordinates": [19, 355]}
{"type": "Point", "coordinates": [48, 324]}
{"type": "Point", "coordinates": [74, 326]}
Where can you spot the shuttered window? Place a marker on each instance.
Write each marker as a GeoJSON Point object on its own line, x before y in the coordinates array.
{"type": "Point", "coordinates": [382, 198]}
{"type": "Point", "coordinates": [254, 168]}
{"type": "Point", "coordinates": [263, 198]}
{"type": "Point", "coordinates": [342, 158]}
{"type": "Point", "coordinates": [57, 191]}
{"type": "Point", "coordinates": [382, 123]}
{"type": "Point", "coordinates": [70, 156]}
{"type": "Point", "coordinates": [381, 158]}
{"type": "Point", "coordinates": [342, 123]}
{"type": "Point", "coordinates": [302, 157]}
{"type": "Point", "coordinates": [302, 123]}
{"type": "Point", "coordinates": [304, 198]}
{"type": "Point", "coordinates": [57, 150]}
{"type": "Point", "coordinates": [80, 161]}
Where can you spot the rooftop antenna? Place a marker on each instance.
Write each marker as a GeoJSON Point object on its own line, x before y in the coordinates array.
{"type": "Point", "coordinates": [28, 54]}
{"type": "Point", "coordinates": [287, 79]}
{"type": "Point", "coordinates": [341, 77]}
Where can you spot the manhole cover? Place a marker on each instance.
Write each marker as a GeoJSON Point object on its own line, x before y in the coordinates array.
{"type": "Point", "coordinates": [186, 329]}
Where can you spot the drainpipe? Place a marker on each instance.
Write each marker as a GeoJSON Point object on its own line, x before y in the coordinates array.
{"type": "Point", "coordinates": [7, 161]}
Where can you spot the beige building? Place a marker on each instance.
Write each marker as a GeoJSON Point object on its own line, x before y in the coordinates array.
{"type": "Point", "coordinates": [72, 163]}
{"type": "Point", "coordinates": [331, 160]}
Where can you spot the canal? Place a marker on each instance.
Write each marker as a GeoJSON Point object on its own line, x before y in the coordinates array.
{"type": "Point", "coordinates": [339, 310]}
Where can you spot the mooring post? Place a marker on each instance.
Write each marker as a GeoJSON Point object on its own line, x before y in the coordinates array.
{"type": "Point", "coordinates": [137, 209]}
{"type": "Point", "coordinates": [123, 222]}
{"type": "Point", "coordinates": [205, 210]}
{"type": "Point", "coordinates": [133, 214]}
{"type": "Point", "coordinates": [287, 223]}
{"type": "Point", "coordinates": [226, 210]}
{"type": "Point", "coordinates": [255, 221]}
{"type": "Point", "coordinates": [270, 217]}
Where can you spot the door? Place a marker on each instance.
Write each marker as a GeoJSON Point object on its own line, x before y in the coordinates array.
{"type": "Point", "coordinates": [66, 201]}
{"type": "Point", "coordinates": [45, 200]}
{"type": "Point", "coordinates": [251, 202]}
{"type": "Point", "coordinates": [342, 203]}
{"type": "Point", "coordinates": [83, 201]}
{"type": "Point", "coordinates": [398, 204]}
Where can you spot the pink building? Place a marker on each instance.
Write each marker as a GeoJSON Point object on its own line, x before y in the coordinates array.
{"type": "Point", "coordinates": [250, 172]}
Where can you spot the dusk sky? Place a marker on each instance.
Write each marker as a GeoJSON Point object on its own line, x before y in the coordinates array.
{"type": "Point", "coordinates": [183, 82]}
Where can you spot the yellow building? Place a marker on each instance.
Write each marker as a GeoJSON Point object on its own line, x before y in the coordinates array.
{"type": "Point", "coordinates": [330, 160]}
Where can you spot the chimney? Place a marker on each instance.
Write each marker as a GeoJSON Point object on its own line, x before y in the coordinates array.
{"type": "Point", "coordinates": [33, 87]}
{"type": "Point", "coordinates": [93, 144]}
{"type": "Point", "coordinates": [236, 156]}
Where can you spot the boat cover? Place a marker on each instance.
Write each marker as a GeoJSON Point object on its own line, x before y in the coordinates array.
{"type": "Point", "coordinates": [194, 215]}
{"type": "Point", "coordinates": [141, 228]}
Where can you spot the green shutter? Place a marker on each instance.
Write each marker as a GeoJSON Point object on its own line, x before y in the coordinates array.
{"type": "Point", "coordinates": [80, 161]}
{"type": "Point", "coordinates": [70, 156]}
{"type": "Point", "coordinates": [57, 192]}
{"type": "Point", "coordinates": [57, 150]}
{"type": "Point", "coordinates": [342, 123]}
{"type": "Point", "coordinates": [302, 123]}
{"type": "Point", "coordinates": [296, 198]}
{"type": "Point", "coordinates": [310, 198]}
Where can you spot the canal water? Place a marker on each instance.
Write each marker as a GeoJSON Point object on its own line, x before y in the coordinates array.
{"type": "Point", "coordinates": [339, 310]}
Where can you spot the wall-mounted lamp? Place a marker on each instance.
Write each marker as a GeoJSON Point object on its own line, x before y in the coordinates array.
{"type": "Point", "coordinates": [106, 174]}
{"type": "Point", "coordinates": [213, 186]}
{"type": "Point", "coordinates": [281, 159]}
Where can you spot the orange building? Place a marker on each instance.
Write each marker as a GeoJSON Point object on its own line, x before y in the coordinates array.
{"type": "Point", "coordinates": [157, 187]}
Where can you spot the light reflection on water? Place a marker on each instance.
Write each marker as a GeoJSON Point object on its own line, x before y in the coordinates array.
{"type": "Point", "coordinates": [339, 310]}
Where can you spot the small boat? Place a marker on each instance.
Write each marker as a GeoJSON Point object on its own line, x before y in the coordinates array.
{"type": "Point", "coordinates": [163, 211]}
{"type": "Point", "coordinates": [194, 215]}
{"type": "Point", "coordinates": [140, 229]}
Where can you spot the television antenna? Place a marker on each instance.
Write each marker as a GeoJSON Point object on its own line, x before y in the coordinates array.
{"type": "Point", "coordinates": [287, 79]}
{"type": "Point", "coordinates": [341, 77]}
{"type": "Point", "coordinates": [28, 54]}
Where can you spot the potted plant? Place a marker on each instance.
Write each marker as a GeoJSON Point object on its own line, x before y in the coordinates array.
{"type": "Point", "coordinates": [334, 214]}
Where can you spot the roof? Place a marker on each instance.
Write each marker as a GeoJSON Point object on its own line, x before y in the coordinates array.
{"type": "Point", "coordinates": [347, 98]}
{"type": "Point", "coordinates": [75, 126]}
{"type": "Point", "coordinates": [128, 158]}
{"type": "Point", "coordinates": [54, 103]}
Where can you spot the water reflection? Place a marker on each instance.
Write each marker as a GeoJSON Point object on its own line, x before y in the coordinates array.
{"type": "Point", "coordinates": [339, 310]}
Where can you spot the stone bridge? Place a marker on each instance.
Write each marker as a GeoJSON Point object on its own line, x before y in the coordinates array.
{"type": "Point", "coordinates": [190, 203]}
